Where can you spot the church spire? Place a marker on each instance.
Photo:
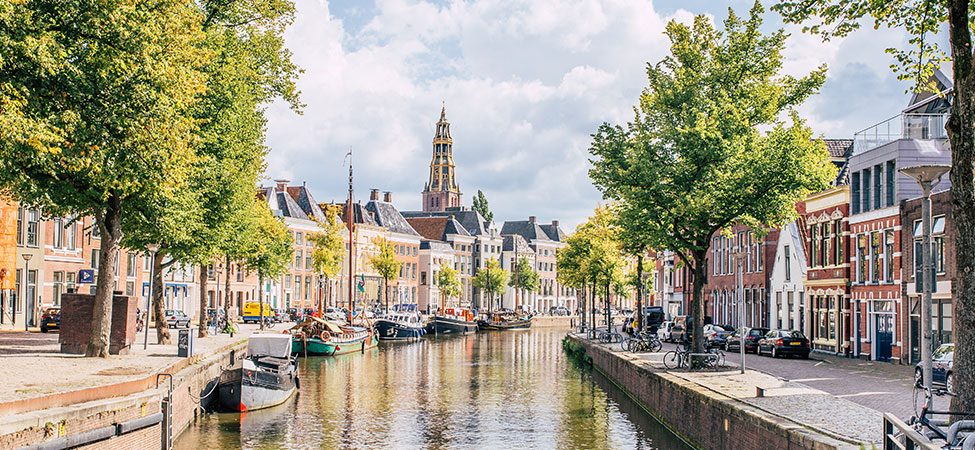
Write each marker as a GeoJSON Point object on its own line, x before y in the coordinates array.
{"type": "Point", "coordinates": [441, 190]}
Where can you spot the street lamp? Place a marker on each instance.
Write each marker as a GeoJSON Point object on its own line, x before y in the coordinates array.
{"type": "Point", "coordinates": [928, 176]}
{"type": "Point", "coordinates": [739, 256]}
{"type": "Point", "coordinates": [27, 257]}
{"type": "Point", "coordinates": [153, 248]}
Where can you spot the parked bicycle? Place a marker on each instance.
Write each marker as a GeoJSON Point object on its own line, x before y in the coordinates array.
{"type": "Point", "coordinates": [958, 434]}
{"type": "Point", "coordinates": [607, 337]}
{"type": "Point", "coordinates": [682, 358]}
{"type": "Point", "coordinates": [642, 342]}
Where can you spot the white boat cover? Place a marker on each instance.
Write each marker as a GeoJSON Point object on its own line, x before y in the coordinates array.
{"type": "Point", "coordinates": [277, 345]}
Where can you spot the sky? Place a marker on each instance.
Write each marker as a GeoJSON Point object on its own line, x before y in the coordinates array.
{"type": "Point", "coordinates": [524, 82]}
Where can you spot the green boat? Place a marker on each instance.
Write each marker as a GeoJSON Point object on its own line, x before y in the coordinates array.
{"type": "Point", "coordinates": [332, 340]}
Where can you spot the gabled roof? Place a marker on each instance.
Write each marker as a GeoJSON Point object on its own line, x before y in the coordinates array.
{"type": "Point", "coordinates": [437, 228]}
{"type": "Point", "coordinates": [388, 216]}
{"type": "Point", "coordinates": [525, 228]}
{"type": "Point", "coordinates": [359, 214]}
{"type": "Point", "coordinates": [839, 148]}
{"type": "Point", "coordinates": [302, 196]}
{"type": "Point", "coordinates": [468, 219]}
{"type": "Point", "coordinates": [511, 240]}
{"type": "Point", "coordinates": [554, 232]}
{"type": "Point", "coordinates": [435, 245]}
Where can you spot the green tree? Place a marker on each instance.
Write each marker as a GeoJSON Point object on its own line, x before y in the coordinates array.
{"type": "Point", "coordinates": [270, 248]}
{"type": "Point", "coordinates": [491, 278]}
{"type": "Point", "coordinates": [386, 265]}
{"type": "Point", "coordinates": [481, 206]}
{"type": "Point", "coordinates": [604, 260]}
{"type": "Point", "coordinates": [571, 262]}
{"type": "Point", "coordinates": [448, 283]}
{"type": "Point", "coordinates": [95, 116]}
{"type": "Point", "coordinates": [329, 249]}
{"type": "Point", "coordinates": [923, 19]}
{"type": "Point", "coordinates": [694, 162]}
{"type": "Point", "coordinates": [524, 278]}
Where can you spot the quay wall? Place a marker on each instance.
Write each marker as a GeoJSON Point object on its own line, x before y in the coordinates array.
{"type": "Point", "coordinates": [193, 388]}
{"type": "Point", "coordinates": [704, 418]}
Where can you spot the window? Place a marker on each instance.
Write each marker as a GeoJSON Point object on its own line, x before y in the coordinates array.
{"type": "Point", "coordinates": [57, 234]}
{"type": "Point", "coordinates": [862, 256]}
{"type": "Point", "coordinates": [33, 224]}
{"type": "Point", "coordinates": [838, 240]}
{"type": "Point", "coordinates": [891, 177]}
{"type": "Point", "coordinates": [877, 186]}
{"type": "Point", "coordinates": [825, 240]}
{"type": "Point", "coordinates": [814, 246]}
{"type": "Point", "coordinates": [307, 286]}
{"type": "Point", "coordinates": [240, 274]}
{"type": "Point", "coordinates": [72, 235]}
{"type": "Point", "coordinates": [130, 265]}
{"type": "Point", "coordinates": [287, 280]}
{"type": "Point", "coordinates": [876, 262]}
{"type": "Point", "coordinates": [298, 255]}
{"type": "Point", "coordinates": [889, 254]}
{"type": "Point", "coordinates": [297, 286]}
{"type": "Point", "coordinates": [58, 287]}
{"type": "Point", "coordinates": [865, 192]}
{"type": "Point", "coordinates": [855, 193]}
{"type": "Point", "coordinates": [95, 256]}
{"type": "Point", "coordinates": [129, 288]}
{"type": "Point", "coordinates": [20, 228]}
{"type": "Point", "coordinates": [309, 264]}
{"type": "Point", "coordinates": [788, 264]}
{"type": "Point", "coordinates": [714, 255]}
{"type": "Point", "coordinates": [423, 278]}
{"type": "Point", "coordinates": [69, 277]}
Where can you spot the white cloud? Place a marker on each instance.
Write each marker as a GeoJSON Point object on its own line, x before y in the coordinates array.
{"type": "Point", "coordinates": [525, 83]}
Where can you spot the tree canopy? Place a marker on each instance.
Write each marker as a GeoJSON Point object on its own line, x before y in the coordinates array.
{"type": "Point", "coordinates": [385, 263]}
{"type": "Point", "coordinates": [708, 147]}
{"type": "Point", "coordinates": [448, 283]}
{"type": "Point", "coordinates": [491, 278]}
{"type": "Point", "coordinates": [481, 206]}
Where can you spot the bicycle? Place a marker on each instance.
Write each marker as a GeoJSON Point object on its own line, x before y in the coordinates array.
{"type": "Point", "coordinates": [268, 323]}
{"type": "Point", "coordinates": [606, 337]}
{"type": "Point", "coordinates": [954, 436]}
{"type": "Point", "coordinates": [677, 359]}
{"type": "Point", "coordinates": [643, 342]}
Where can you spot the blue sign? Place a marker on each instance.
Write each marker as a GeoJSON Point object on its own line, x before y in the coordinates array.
{"type": "Point", "coordinates": [86, 276]}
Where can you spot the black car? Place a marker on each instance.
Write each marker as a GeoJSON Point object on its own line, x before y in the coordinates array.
{"type": "Point", "coordinates": [784, 342]}
{"type": "Point", "coordinates": [50, 319]}
{"type": "Point", "coordinates": [752, 335]}
{"type": "Point", "coordinates": [941, 367]}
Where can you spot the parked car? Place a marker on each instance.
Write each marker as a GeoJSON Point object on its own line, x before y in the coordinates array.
{"type": "Point", "coordinates": [717, 334]}
{"type": "Point", "coordinates": [176, 319]}
{"type": "Point", "coordinates": [941, 368]}
{"type": "Point", "coordinates": [51, 318]}
{"type": "Point", "coordinates": [280, 315]}
{"type": "Point", "coordinates": [683, 328]}
{"type": "Point", "coordinates": [784, 342]}
{"type": "Point", "coordinates": [293, 314]}
{"type": "Point", "coordinates": [559, 311]}
{"type": "Point", "coordinates": [752, 335]}
{"type": "Point", "coordinates": [663, 332]}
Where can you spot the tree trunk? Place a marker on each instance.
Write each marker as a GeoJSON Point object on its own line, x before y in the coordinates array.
{"type": "Point", "coordinates": [961, 132]}
{"type": "Point", "coordinates": [638, 317]}
{"type": "Point", "coordinates": [162, 328]}
{"type": "Point", "coordinates": [226, 288]}
{"type": "Point", "coordinates": [110, 226]}
{"type": "Point", "coordinates": [260, 297]}
{"type": "Point", "coordinates": [697, 299]}
{"type": "Point", "coordinates": [202, 332]}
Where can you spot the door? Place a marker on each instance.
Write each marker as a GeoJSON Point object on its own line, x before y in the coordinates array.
{"type": "Point", "coordinates": [884, 337]}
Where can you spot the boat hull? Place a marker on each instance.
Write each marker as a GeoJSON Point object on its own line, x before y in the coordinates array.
{"type": "Point", "coordinates": [242, 389]}
{"type": "Point", "coordinates": [511, 325]}
{"type": "Point", "coordinates": [316, 347]}
{"type": "Point", "coordinates": [443, 325]}
{"type": "Point", "coordinates": [389, 330]}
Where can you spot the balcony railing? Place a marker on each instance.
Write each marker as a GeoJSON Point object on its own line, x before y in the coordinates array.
{"type": "Point", "coordinates": [901, 126]}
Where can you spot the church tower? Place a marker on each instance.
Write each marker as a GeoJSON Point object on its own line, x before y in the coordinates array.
{"type": "Point", "coordinates": [441, 191]}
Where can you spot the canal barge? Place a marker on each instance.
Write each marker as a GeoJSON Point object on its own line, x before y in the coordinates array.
{"type": "Point", "coordinates": [398, 326]}
{"type": "Point", "coordinates": [504, 321]}
{"type": "Point", "coordinates": [267, 376]}
{"type": "Point", "coordinates": [317, 337]}
{"type": "Point", "coordinates": [452, 321]}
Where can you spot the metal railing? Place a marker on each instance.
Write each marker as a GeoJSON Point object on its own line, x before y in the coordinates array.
{"type": "Point", "coordinates": [901, 126]}
{"type": "Point", "coordinates": [901, 436]}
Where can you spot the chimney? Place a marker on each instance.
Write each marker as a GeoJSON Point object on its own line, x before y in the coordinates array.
{"type": "Point", "coordinates": [388, 197]}
{"type": "Point", "coordinates": [555, 223]}
{"type": "Point", "coordinates": [282, 183]}
{"type": "Point", "coordinates": [531, 219]}
{"type": "Point", "coordinates": [374, 194]}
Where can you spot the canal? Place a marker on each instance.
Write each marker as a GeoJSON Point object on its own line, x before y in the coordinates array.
{"type": "Point", "coordinates": [512, 389]}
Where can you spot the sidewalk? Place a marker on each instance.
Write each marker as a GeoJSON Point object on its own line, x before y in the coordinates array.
{"type": "Point", "coordinates": [796, 402]}
{"type": "Point", "coordinates": [33, 367]}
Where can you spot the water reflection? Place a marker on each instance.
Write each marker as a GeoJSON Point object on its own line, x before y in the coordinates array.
{"type": "Point", "coordinates": [512, 389]}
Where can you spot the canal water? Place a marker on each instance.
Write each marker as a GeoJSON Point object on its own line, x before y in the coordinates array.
{"type": "Point", "coordinates": [498, 390]}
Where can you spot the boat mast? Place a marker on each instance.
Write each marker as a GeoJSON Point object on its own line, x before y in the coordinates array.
{"type": "Point", "coordinates": [351, 223]}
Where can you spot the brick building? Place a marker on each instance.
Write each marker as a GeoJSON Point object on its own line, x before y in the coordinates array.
{"type": "Point", "coordinates": [406, 243]}
{"type": "Point", "coordinates": [721, 287]}
{"type": "Point", "coordinates": [943, 251]}
{"type": "Point", "coordinates": [828, 271]}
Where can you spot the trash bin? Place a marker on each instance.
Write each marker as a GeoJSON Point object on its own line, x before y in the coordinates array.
{"type": "Point", "coordinates": [186, 343]}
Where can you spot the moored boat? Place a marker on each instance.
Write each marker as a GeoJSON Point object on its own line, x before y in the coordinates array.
{"type": "Point", "coordinates": [507, 321]}
{"type": "Point", "coordinates": [267, 376]}
{"type": "Point", "coordinates": [452, 321]}
{"type": "Point", "coordinates": [317, 337]}
{"type": "Point", "coordinates": [399, 326]}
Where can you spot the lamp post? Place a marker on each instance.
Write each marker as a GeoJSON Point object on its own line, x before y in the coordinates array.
{"type": "Point", "coordinates": [27, 257]}
{"type": "Point", "coordinates": [153, 248]}
{"type": "Point", "coordinates": [927, 176]}
{"type": "Point", "coordinates": [739, 256]}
